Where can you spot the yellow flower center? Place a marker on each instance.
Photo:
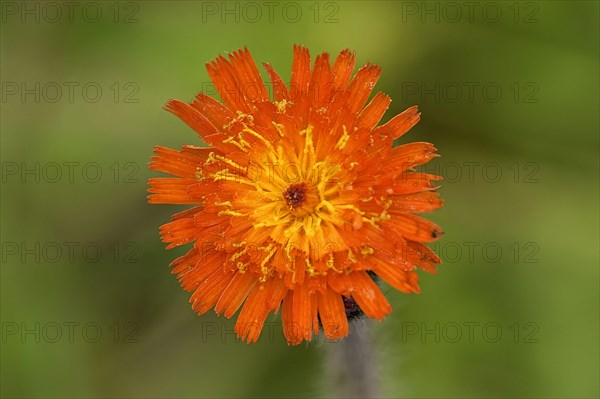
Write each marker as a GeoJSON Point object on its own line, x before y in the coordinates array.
{"type": "Point", "coordinates": [293, 194]}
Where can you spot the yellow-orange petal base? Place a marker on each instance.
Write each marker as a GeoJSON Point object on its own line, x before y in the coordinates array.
{"type": "Point", "coordinates": [298, 197]}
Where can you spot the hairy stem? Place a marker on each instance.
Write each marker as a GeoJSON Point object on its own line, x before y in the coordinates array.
{"type": "Point", "coordinates": [352, 364]}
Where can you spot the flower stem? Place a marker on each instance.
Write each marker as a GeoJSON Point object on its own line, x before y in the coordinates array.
{"type": "Point", "coordinates": [352, 364]}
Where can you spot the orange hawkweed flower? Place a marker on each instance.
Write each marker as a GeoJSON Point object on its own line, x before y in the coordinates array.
{"type": "Point", "coordinates": [300, 199]}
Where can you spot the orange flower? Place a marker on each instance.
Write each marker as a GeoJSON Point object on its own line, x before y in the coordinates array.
{"type": "Point", "coordinates": [299, 199]}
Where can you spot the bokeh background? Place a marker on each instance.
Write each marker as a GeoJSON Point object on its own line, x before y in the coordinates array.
{"type": "Point", "coordinates": [509, 93]}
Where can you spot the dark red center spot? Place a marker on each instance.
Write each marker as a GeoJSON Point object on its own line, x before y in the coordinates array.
{"type": "Point", "coordinates": [295, 195]}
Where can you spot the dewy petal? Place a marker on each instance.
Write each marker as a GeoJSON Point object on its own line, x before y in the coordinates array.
{"type": "Point", "coordinates": [320, 87]}
{"type": "Point", "coordinates": [299, 199]}
{"type": "Point", "coordinates": [422, 256]}
{"type": "Point", "coordinates": [179, 232]}
{"type": "Point", "coordinates": [299, 314]}
{"type": "Point", "coordinates": [400, 124]}
{"type": "Point", "coordinates": [373, 112]}
{"type": "Point", "coordinates": [300, 71]}
{"type": "Point", "coordinates": [200, 266]}
{"type": "Point", "coordinates": [414, 228]}
{"type": "Point", "coordinates": [361, 86]}
{"type": "Point", "coordinates": [400, 279]}
{"type": "Point", "coordinates": [408, 183]}
{"type": "Point", "coordinates": [424, 201]}
{"type": "Point", "coordinates": [368, 296]}
{"type": "Point", "coordinates": [208, 132]}
{"type": "Point", "coordinates": [407, 156]}
{"type": "Point", "coordinates": [342, 69]}
{"type": "Point", "coordinates": [332, 314]}
{"type": "Point", "coordinates": [263, 299]}
{"type": "Point", "coordinates": [280, 91]}
{"type": "Point", "coordinates": [208, 293]}
{"type": "Point", "coordinates": [223, 76]}
{"type": "Point", "coordinates": [182, 163]}
{"type": "Point", "coordinates": [235, 293]}
{"type": "Point", "coordinates": [247, 77]}
{"type": "Point", "coordinates": [212, 110]}
{"type": "Point", "coordinates": [170, 190]}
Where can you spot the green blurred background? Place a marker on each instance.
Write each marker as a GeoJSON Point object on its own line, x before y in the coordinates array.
{"type": "Point", "coordinates": [509, 93]}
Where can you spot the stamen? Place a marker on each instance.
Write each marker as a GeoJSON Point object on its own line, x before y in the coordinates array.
{"type": "Point", "coordinates": [263, 268]}
{"type": "Point", "coordinates": [310, 267]}
{"type": "Point", "coordinates": [229, 212]}
{"type": "Point", "coordinates": [230, 162]}
{"type": "Point", "coordinates": [282, 105]}
{"type": "Point", "coordinates": [238, 254]}
{"type": "Point", "coordinates": [242, 266]}
{"type": "Point", "coordinates": [331, 264]}
{"type": "Point", "coordinates": [280, 128]}
{"type": "Point", "coordinates": [351, 256]}
{"type": "Point", "coordinates": [343, 140]}
{"type": "Point", "coordinates": [240, 117]}
{"type": "Point", "coordinates": [260, 137]}
{"type": "Point", "coordinates": [295, 195]}
{"type": "Point", "coordinates": [199, 175]}
{"type": "Point", "coordinates": [366, 250]}
{"type": "Point", "coordinates": [231, 140]}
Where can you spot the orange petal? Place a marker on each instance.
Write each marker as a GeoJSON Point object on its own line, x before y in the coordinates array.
{"type": "Point", "coordinates": [414, 227]}
{"type": "Point", "coordinates": [187, 213]}
{"type": "Point", "coordinates": [200, 266]}
{"type": "Point", "coordinates": [205, 219]}
{"type": "Point", "coordinates": [400, 124]}
{"type": "Point", "coordinates": [247, 76]}
{"type": "Point", "coordinates": [409, 155]}
{"type": "Point", "coordinates": [169, 190]}
{"type": "Point", "coordinates": [342, 69]}
{"type": "Point", "coordinates": [182, 163]}
{"type": "Point", "coordinates": [207, 293]}
{"type": "Point", "coordinates": [320, 86]}
{"type": "Point", "coordinates": [361, 86]}
{"type": "Point", "coordinates": [280, 91]}
{"type": "Point", "coordinates": [368, 296]}
{"type": "Point", "coordinates": [422, 256]}
{"type": "Point", "coordinates": [186, 263]}
{"type": "Point", "coordinates": [262, 299]}
{"type": "Point", "coordinates": [299, 314]}
{"type": "Point", "coordinates": [193, 119]}
{"type": "Point", "coordinates": [213, 111]}
{"type": "Point", "coordinates": [409, 183]}
{"type": "Point", "coordinates": [425, 201]}
{"type": "Point", "coordinates": [300, 71]}
{"type": "Point", "coordinates": [332, 314]}
{"type": "Point", "coordinates": [235, 293]}
{"type": "Point", "coordinates": [403, 280]}
{"type": "Point", "coordinates": [223, 75]}
{"type": "Point", "coordinates": [179, 232]}
{"type": "Point", "coordinates": [373, 112]}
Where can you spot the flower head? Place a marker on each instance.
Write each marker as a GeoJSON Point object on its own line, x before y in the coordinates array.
{"type": "Point", "coordinates": [299, 199]}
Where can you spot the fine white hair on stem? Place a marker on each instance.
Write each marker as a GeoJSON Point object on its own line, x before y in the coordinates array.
{"type": "Point", "coordinates": [351, 363]}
